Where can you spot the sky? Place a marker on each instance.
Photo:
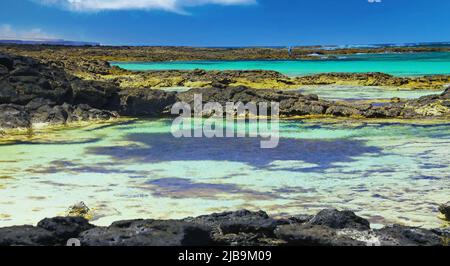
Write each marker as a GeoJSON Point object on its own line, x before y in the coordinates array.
{"type": "Point", "coordinates": [227, 22]}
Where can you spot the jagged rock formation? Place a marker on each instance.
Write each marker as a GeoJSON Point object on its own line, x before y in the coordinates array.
{"type": "Point", "coordinates": [242, 228]}
{"type": "Point", "coordinates": [295, 104]}
{"type": "Point", "coordinates": [32, 92]}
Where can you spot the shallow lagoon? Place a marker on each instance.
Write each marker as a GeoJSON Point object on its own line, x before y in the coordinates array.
{"type": "Point", "coordinates": [408, 64]}
{"type": "Point", "coordinates": [390, 173]}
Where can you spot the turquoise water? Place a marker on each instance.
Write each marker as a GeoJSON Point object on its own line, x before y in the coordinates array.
{"type": "Point", "coordinates": [412, 64]}
{"type": "Point", "coordinates": [389, 173]}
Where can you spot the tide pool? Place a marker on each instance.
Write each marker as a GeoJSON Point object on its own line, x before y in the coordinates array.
{"type": "Point", "coordinates": [388, 173]}
{"type": "Point", "coordinates": [410, 64]}
{"type": "Point", "coordinates": [372, 93]}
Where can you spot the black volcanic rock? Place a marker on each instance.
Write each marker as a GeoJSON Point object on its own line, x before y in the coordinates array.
{"type": "Point", "coordinates": [242, 221]}
{"type": "Point", "coordinates": [146, 102]}
{"type": "Point", "coordinates": [340, 219]}
{"type": "Point", "coordinates": [32, 92]}
{"type": "Point", "coordinates": [398, 235]}
{"type": "Point", "coordinates": [65, 228]}
{"type": "Point", "coordinates": [313, 235]}
{"type": "Point", "coordinates": [14, 116]}
{"type": "Point", "coordinates": [26, 236]}
{"type": "Point", "coordinates": [240, 228]}
{"type": "Point", "coordinates": [445, 210]}
{"type": "Point", "coordinates": [148, 233]}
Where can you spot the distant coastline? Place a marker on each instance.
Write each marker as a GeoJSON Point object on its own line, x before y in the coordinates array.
{"type": "Point", "coordinates": [60, 42]}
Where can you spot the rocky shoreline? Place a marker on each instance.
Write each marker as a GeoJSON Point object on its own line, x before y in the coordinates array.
{"type": "Point", "coordinates": [36, 93]}
{"type": "Point", "coordinates": [329, 227]}
{"type": "Point", "coordinates": [172, 53]}
{"type": "Point", "coordinates": [92, 63]}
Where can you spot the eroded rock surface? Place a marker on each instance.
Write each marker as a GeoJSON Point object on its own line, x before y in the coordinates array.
{"type": "Point", "coordinates": [297, 104]}
{"type": "Point", "coordinates": [241, 228]}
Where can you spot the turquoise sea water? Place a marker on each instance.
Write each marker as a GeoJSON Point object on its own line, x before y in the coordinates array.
{"type": "Point", "coordinates": [389, 173]}
{"type": "Point", "coordinates": [410, 64]}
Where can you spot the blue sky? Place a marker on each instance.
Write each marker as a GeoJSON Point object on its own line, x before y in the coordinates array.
{"type": "Point", "coordinates": [227, 22]}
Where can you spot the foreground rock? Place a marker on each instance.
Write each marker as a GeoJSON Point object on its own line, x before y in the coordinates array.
{"type": "Point", "coordinates": [242, 228]}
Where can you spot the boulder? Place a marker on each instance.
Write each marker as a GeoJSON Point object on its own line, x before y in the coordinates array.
{"type": "Point", "coordinates": [240, 228]}
{"type": "Point", "coordinates": [313, 235]}
{"type": "Point", "coordinates": [340, 219]}
{"type": "Point", "coordinates": [445, 210]}
{"type": "Point", "coordinates": [146, 102]}
{"type": "Point", "coordinates": [25, 236]}
{"type": "Point", "coordinates": [398, 235]}
{"type": "Point", "coordinates": [148, 233]}
{"type": "Point", "coordinates": [65, 228]}
{"type": "Point", "coordinates": [14, 116]}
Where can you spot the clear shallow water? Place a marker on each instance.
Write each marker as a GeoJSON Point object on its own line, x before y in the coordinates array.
{"type": "Point", "coordinates": [411, 64]}
{"type": "Point", "coordinates": [337, 92]}
{"type": "Point", "coordinates": [388, 173]}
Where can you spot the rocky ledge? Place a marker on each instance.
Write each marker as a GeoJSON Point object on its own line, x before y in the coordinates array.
{"type": "Point", "coordinates": [293, 104]}
{"type": "Point", "coordinates": [329, 227]}
{"type": "Point", "coordinates": [35, 93]}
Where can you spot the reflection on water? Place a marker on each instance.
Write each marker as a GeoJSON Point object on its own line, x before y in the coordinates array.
{"type": "Point", "coordinates": [388, 173]}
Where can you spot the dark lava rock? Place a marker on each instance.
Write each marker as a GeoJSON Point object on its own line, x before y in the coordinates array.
{"type": "Point", "coordinates": [340, 219]}
{"type": "Point", "coordinates": [6, 61]}
{"type": "Point", "coordinates": [97, 94]}
{"type": "Point", "coordinates": [65, 228]}
{"type": "Point", "coordinates": [14, 116]}
{"type": "Point", "coordinates": [445, 210]}
{"type": "Point", "coordinates": [146, 102]}
{"type": "Point", "coordinates": [241, 228]}
{"type": "Point", "coordinates": [398, 235]}
{"type": "Point", "coordinates": [313, 235]}
{"type": "Point", "coordinates": [25, 236]}
{"type": "Point", "coordinates": [242, 221]}
{"type": "Point", "coordinates": [148, 233]}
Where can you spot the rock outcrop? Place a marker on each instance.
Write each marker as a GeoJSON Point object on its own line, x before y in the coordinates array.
{"type": "Point", "coordinates": [294, 104]}
{"type": "Point", "coordinates": [242, 228]}
{"type": "Point", "coordinates": [32, 92]}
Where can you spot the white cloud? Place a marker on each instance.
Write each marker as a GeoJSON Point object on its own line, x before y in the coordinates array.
{"type": "Point", "coordinates": [167, 5]}
{"type": "Point", "coordinates": [7, 32]}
